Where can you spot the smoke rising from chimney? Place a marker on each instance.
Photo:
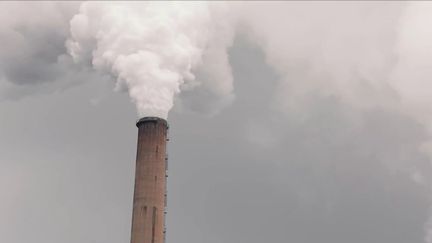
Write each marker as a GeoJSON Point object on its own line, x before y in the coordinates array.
{"type": "Point", "coordinates": [152, 48]}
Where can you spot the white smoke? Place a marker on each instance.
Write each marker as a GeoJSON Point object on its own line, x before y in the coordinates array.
{"type": "Point", "coordinates": [152, 48]}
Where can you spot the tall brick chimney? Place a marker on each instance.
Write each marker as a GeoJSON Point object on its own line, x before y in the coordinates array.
{"type": "Point", "coordinates": [148, 217]}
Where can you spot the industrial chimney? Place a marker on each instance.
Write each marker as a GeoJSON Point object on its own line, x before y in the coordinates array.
{"type": "Point", "coordinates": [148, 216]}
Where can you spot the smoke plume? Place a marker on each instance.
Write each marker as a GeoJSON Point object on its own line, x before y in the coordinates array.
{"type": "Point", "coordinates": [151, 48]}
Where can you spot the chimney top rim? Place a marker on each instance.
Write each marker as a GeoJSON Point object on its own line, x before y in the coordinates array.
{"type": "Point", "coordinates": [151, 119]}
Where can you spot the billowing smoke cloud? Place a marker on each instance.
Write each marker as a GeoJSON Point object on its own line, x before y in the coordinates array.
{"type": "Point", "coordinates": [153, 48]}
{"type": "Point", "coordinates": [160, 49]}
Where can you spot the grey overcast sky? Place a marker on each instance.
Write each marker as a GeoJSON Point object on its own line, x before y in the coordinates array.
{"type": "Point", "coordinates": [327, 139]}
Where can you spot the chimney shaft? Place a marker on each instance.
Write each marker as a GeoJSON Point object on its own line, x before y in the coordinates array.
{"type": "Point", "coordinates": [148, 217]}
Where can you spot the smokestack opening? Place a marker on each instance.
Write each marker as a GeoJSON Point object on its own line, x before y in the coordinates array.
{"type": "Point", "coordinates": [151, 119]}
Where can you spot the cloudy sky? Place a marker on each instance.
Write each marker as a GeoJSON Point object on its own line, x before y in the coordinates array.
{"type": "Point", "coordinates": [292, 122]}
